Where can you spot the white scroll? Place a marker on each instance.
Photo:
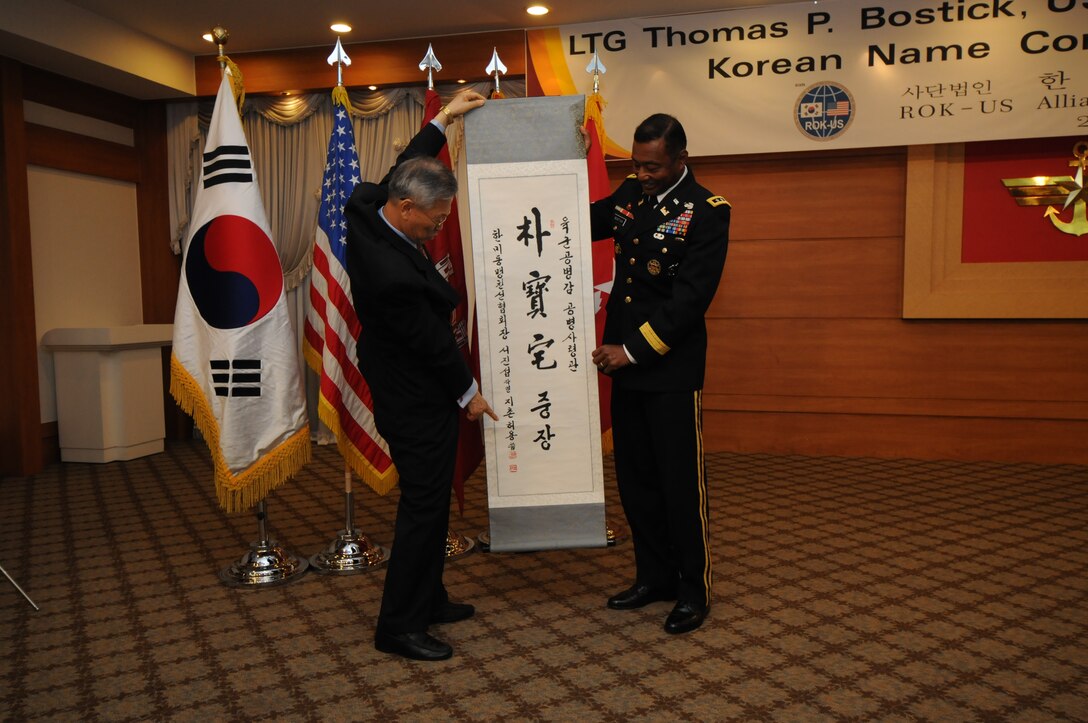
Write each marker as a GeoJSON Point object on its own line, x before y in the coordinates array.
{"type": "Point", "coordinates": [529, 201]}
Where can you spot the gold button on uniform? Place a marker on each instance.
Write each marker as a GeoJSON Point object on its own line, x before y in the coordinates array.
{"type": "Point", "coordinates": [664, 250]}
{"type": "Point", "coordinates": [635, 242]}
{"type": "Point", "coordinates": [632, 261]}
{"type": "Point", "coordinates": [628, 279]}
{"type": "Point", "coordinates": [627, 299]}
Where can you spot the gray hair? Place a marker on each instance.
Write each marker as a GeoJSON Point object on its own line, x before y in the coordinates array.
{"type": "Point", "coordinates": [423, 179]}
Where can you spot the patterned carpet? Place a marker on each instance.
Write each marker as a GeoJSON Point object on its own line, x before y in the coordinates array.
{"type": "Point", "coordinates": [846, 589]}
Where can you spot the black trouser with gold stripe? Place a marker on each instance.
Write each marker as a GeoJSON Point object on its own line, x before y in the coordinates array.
{"type": "Point", "coordinates": [658, 439]}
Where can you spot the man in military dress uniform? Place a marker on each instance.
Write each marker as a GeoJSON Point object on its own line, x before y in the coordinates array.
{"type": "Point", "coordinates": [671, 236]}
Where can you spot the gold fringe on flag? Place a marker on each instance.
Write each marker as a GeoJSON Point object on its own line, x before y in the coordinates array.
{"type": "Point", "coordinates": [380, 482]}
{"type": "Point", "coordinates": [237, 85]}
{"type": "Point", "coordinates": [606, 441]}
{"type": "Point", "coordinates": [238, 492]}
{"type": "Point", "coordinates": [360, 465]}
{"type": "Point", "coordinates": [595, 112]}
{"type": "Point", "coordinates": [340, 97]}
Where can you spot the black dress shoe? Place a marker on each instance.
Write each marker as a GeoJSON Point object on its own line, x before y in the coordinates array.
{"type": "Point", "coordinates": [452, 612]}
{"type": "Point", "coordinates": [417, 646]}
{"type": "Point", "coordinates": [685, 617]}
{"type": "Point", "coordinates": [638, 596]}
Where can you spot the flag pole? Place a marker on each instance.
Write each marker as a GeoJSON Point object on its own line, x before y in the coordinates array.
{"type": "Point", "coordinates": [496, 67]}
{"type": "Point", "coordinates": [457, 545]}
{"type": "Point", "coordinates": [613, 534]}
{"type": "Point", "coordinates": [265, 563]}
{"type": "Point", "coordinates": [350, 551]}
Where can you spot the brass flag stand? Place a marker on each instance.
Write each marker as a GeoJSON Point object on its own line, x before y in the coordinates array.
{"type": "Point", "coordinates": [351, 552]}
{"type": "Point", "coordinates": [457, 545]}
{"type": "Point", "coordinates": [266, 563]}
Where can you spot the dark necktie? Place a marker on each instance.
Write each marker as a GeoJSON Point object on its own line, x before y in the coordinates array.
{"type": "Point", "coordinates": [646, 204]}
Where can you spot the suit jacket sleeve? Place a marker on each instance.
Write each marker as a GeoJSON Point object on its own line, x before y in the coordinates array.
{"type": "Point", "coordinates": [693, 288]}
{"type": "Point", "coordinates": [412, 321]}
{"type": "Point", "coordinates": [428, 142]}
{"type": "Point", "coordinates": [601, 212]}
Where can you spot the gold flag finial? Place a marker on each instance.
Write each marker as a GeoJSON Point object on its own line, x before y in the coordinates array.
{"type": "Point", "coordinates": [220, 36]}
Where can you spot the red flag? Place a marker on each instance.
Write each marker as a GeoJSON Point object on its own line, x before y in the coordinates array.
{"type": "Point", "coordinates": [445, 249]}
{"type": "Point", "coordinates": [603, 258]}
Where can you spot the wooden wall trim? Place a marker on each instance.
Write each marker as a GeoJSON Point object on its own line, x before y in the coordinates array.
{"type": "Point", "coordinates": [394, 62]}
{"type": "Point", "coordinates": [50, 443]}
{"type": "Point", "coordinates": [20, 411]}
{"type": "Point", "coordinates": [159, 266]}
{"type": "Point", "coordinates": [53, 148]}
{"type": "Point", "coordinates": [56, 91]}
{"type": "Point", "coordinates": [964, 408]}
{"type": "Point", "coordinates": [1040, 441]}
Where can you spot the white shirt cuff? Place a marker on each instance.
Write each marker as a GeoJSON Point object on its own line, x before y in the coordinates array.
{"type": "Point", "coordinates": [465, 398]}
{"type": "Point", "coordinates": [629, 357]}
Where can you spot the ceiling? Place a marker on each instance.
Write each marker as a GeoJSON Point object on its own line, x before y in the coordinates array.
{"type": "Point", "coordinates": [145, 47]}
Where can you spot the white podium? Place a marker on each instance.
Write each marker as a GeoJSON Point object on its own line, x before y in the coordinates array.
{"type": "Point", "coordinates": [109, 390]}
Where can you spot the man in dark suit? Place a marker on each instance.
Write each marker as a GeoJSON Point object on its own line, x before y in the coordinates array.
{"type": "Point", "coordinates": [671, 236]}
{"type": "Point", "coordinates": [417, 377]}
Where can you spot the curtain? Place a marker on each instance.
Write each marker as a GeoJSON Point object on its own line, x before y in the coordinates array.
{"type": "Point", "coordinates": [184, 142]}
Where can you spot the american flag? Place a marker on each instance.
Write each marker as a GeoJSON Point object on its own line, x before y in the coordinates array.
{"type": "Point", "coordinates": [841, 107]}
{"type": "Point", "coordinates": [344, 403]}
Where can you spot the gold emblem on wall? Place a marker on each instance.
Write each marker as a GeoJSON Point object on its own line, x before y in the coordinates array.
{"type": "Point", "coordinates": [1051, 190]}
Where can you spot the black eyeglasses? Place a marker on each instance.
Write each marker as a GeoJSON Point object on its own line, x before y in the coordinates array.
{"type": "Point", "coordinates": [436, 222]}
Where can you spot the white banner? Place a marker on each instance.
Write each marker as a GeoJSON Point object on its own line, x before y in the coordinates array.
{"type": "Point", "coordinates": [835, 74]}
{"type": "Point", "coordinates": [534, 305]}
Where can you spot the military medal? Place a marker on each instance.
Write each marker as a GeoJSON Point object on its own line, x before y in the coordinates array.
{"type": "Point", "coordinates": [654, 267]}
{"type": "Point", "coordinates": [621, 216]}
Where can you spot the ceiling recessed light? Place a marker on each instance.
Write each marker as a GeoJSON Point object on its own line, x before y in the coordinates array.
{"type": "Point", "coordinates": [372, 87]}
{"type": "Point", "coordinates": [340, 28]}
{"type": "Point", "coordinates": [208, 37]}
{"type": "Point", "coordinates": [462, 81]}
{"type": "Point", "coordinates": [537, 10]}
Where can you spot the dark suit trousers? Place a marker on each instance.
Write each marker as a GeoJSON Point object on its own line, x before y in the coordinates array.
{"type": "Point", "coordinates": [662, 482]}
{"type": "Point", "coordinates": [424, 453]}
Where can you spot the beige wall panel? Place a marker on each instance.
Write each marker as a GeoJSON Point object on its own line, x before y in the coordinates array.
{"type": "Point", "coordinates": [86, 257]}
